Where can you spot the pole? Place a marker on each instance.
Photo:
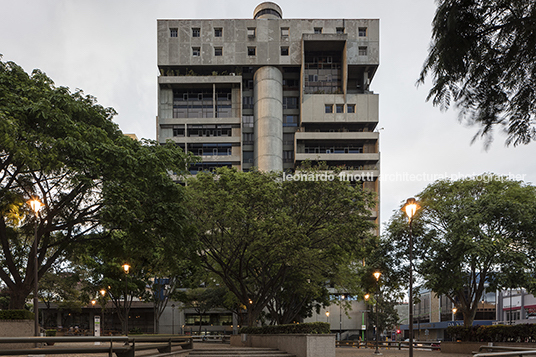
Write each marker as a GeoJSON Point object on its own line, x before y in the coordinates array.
{"type": "Point", "coordinates": [173, 319]}
{"type": "Point", "coordinates": [340, 318]}
{"type": "Point", "coordinates": [410, 288]}
{"type": "Point", "coordinates": [36, 286]}
{"type": "Point", "coordinates": [377, 352]}
{"type": "Point", "coordinates": [126, 311]}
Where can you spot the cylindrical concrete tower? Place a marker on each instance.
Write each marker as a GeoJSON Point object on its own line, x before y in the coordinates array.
{"type": "Point", "coordinates": [268, 111]}
{"type": "Point", "coordinates": [268, 10]}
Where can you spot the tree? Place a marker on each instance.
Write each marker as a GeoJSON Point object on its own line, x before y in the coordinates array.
{"type": "Point", "coordinates": [482, 59]}
{"type": "Point", "coordinates": [63, 148]}
{"type": "Point", "coordinates": [471, 235]}
{"type": "Point", "coordinates": [258, 233]}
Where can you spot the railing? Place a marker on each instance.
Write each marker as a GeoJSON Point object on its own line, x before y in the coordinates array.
{"type": "Point", "coordinates": [430, 345]}
{"type": "Point", "coordinates": [211, 338]}
{"type": "Point", "coordinates": [504, 351]}
{"type": "Point", "coordinates": [122, 346]}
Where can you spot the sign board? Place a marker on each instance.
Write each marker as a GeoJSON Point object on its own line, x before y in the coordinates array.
{"type": "Point", "coordinates": [96, 328]}
{"type": "Point", "coordinates": [363, 327]}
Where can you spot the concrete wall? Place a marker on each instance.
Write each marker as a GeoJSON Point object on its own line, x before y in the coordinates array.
{"type": "Point", "coordinates": [16, 328]}
{"type": "Point", "coordinates": [299, 345]}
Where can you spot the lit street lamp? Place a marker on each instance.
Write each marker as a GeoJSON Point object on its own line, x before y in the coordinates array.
{"type": "Point", "coordinates": [377, 276]}
{"type": "Point", "coordinates": [327, 316]}
{"type": "Point", "coordinates": [36, 205]}
{"type": "Point", "coordinates": [126, 268]}
{"type": "Point", "coordinates": [364, 336]}
{"type": "Point", "coordinates": [410, 208]}
{"type": "Point", "coordinates": [454, 313]}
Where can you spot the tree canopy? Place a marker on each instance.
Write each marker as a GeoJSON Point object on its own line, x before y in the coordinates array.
{"type": "Point", "coordinates": [471, 235]}
{"type": "Point", "coordinates": [482, 58]}
{"type": "Point", "coordinates": [266, 238]}
{"type": "Point", "coordinates": [64, 149]}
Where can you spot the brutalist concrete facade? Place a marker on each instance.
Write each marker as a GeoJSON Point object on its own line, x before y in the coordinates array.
{"type": "Point", "coordinates": [270, 92]}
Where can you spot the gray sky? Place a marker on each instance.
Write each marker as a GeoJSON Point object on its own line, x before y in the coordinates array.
{"type": "Point", "coordinates": [108, 49]}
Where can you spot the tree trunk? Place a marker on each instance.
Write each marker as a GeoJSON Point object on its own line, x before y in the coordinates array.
{"type": "Point", "coordinates": [18, 297]}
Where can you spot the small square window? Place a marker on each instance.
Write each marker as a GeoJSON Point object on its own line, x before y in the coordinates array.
{"type": "Point", "coordinates": [339, 108]}
{"type": "Point", "coordinates": [173, 33]}
{"type": "Point", "coordinates": [362, 51]}
{"type": "Point", "coordinates": [196, 32]}
{"type": "Point", "coordinates": [284, 32]}
{"type": "Point", "coordinates": [318, 29]}
{"type": "Point", "coordinates": [252, 51]}
{"type": "Point", "coordinates": [328, 108]}
{"type": "Point", "coordinates": [218, 32]}
{"type": "Point", "coordinates": [362, 32]}
{"type": "Point", "coordinates": [251, 31]}
{"type": "Point", "coordinates": [218, 51]}
{"type": "Point", "coordinates": [340, 30]}
{"type": "Point", "coordinates": [196, 51]}
{"type": "Point", "coordinates": [284, 51]}
{"type": "Point", "coordinates": [350, 108]}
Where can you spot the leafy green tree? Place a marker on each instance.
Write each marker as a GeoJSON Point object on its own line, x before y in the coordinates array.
{"type": "Point", "coordinates": [257, 233]}
{"type": "Point", "coordinates": [482, 59]}
{"type": "Point", "coordinates": [470, 235]}
{"type": "Point", "coordinates": [63, 148]}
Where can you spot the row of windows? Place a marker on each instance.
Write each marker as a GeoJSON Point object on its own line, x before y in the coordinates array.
{"type": "Point", "coordinates": [288, 120]}
{"type": "Point", "coordinates": [339, 108]}
{"type": "Point", "coordinates": [252, 51]}
{"type": "Point", "coordinates": [247, 158]}
{"type": "Point", "coordinates": [252, 31]}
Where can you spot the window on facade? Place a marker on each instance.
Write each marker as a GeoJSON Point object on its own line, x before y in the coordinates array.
{"type": "Point", "coordinates": [339, 108]}
{"type": "Point", "coordinates": [218, 32]}
{"type": "Point", "coordinates": [288, 139]}
{"type": "Point", "coordinates": [339, 30]}
{"type": "Point", "coordinates": [173, 32]}
{"type": "Point", "coordinates": [247, 121]}
{"type": "Point", "coordinates": [251, 31]}
{"type": "Point", "coordinates": [218, 51]}
{"type": "Point", "coordinates": [350, 108]}
{"type": "Point", "coordinates": [288, 156]}
{"type": "Point", "coordinates": [318, 30]}
{"type": "Point", "coordinates": [252, 51]}
{"type": "Point", "coordinates": [284, 51]}
{"type": "Point", "coordinates": [328, 108]}
{"type": "Point", "coordinates": [247, 138]}
{"type": "Point", "coordinates": [196, 51]}
{"type": "Point", "coordinates": [247, 157]}
{"type": "Point", "coordinates": [362, 51]}
{"type": "Point", "coordinates": [247, 102]}
{"type": "Point", "coordinates": [196, 32]}
{"type": "Point", "coordinates": [290, 120]}
{"type": "Point", "coordinates": [290, 103]}
{"type": "Point", "coordinates": [362, 32]}
{"type": "Point", "coordinates": [178, 131]}
{"type": "Point", "coordinates": [284, 32]}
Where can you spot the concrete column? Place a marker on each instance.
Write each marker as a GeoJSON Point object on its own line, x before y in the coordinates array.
{"type": "Point", "coordinates": [268, 112]}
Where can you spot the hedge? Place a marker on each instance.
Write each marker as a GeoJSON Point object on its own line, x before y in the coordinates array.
{"type": "Point", "coordinates": [16, 315]}
{"type": "Point", "coordinates": [494, 333]}
{"type": "Point", "coordinates": [307, 328]}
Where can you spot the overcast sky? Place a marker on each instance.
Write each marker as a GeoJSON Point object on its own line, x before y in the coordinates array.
{"type": "Point", "coordinates": [108, 49]}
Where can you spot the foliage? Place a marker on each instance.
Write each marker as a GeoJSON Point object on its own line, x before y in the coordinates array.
{"type": "Point", "coordinates": [470, 235]}
{"type": "Point", "coordinates": [388, 317]}
{"type": "Point", "coordinates": [16, 315]}
{"type": "Point", "coordinates": [63, 148]}
{"type": "Point", "coordinates": [494, 333]}
{"type": "Point", "coordinates": [263, 236]}
{"type": "Point", "coordinates": [202, 300]}
{"type": "Point", "coordinates": [307, 328]}
{"type": "Point", "coordinates": [482, 59]}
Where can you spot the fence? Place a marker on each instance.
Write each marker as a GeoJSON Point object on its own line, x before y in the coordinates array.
{"type": "Point", "coordinates": [122, 346]}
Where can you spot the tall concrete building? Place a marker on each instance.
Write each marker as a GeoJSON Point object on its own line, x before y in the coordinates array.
{"type": "Point", "coordinates": [270, 92]}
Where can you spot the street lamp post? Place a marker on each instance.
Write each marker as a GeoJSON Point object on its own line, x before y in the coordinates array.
{"type": "Point", "coordinates": [454, 313]}
{"type": "Point", "coordinates": [365, 322]}
{"type": "Point", "coordinates": [103, 306]}
{"type": "Point", "coordinates": [172, 319]}
{"type": "Point", "coordinates": [36, 205]}
{"type": "Point", "coordinates": [327, 316]}
{"type": "Point", "coordinates": [377, 276]}
{"type": "Point", "coordinates": [341, 297]}
{"type": "Point", "coordinates": [410, 208]}
{"type": "Point", "coordinates": [126, 268]}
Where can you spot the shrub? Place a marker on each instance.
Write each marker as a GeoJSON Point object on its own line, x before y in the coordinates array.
{"type": "Point", "coordinates": [16, 315]}
{"type": "Point", "coordinates": [494, 333]}
{"type": "Point", "coordinates": [307, 328]}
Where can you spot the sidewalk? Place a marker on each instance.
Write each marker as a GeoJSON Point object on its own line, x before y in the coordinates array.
{"type": "Point", "coordinates": [391, 352]}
